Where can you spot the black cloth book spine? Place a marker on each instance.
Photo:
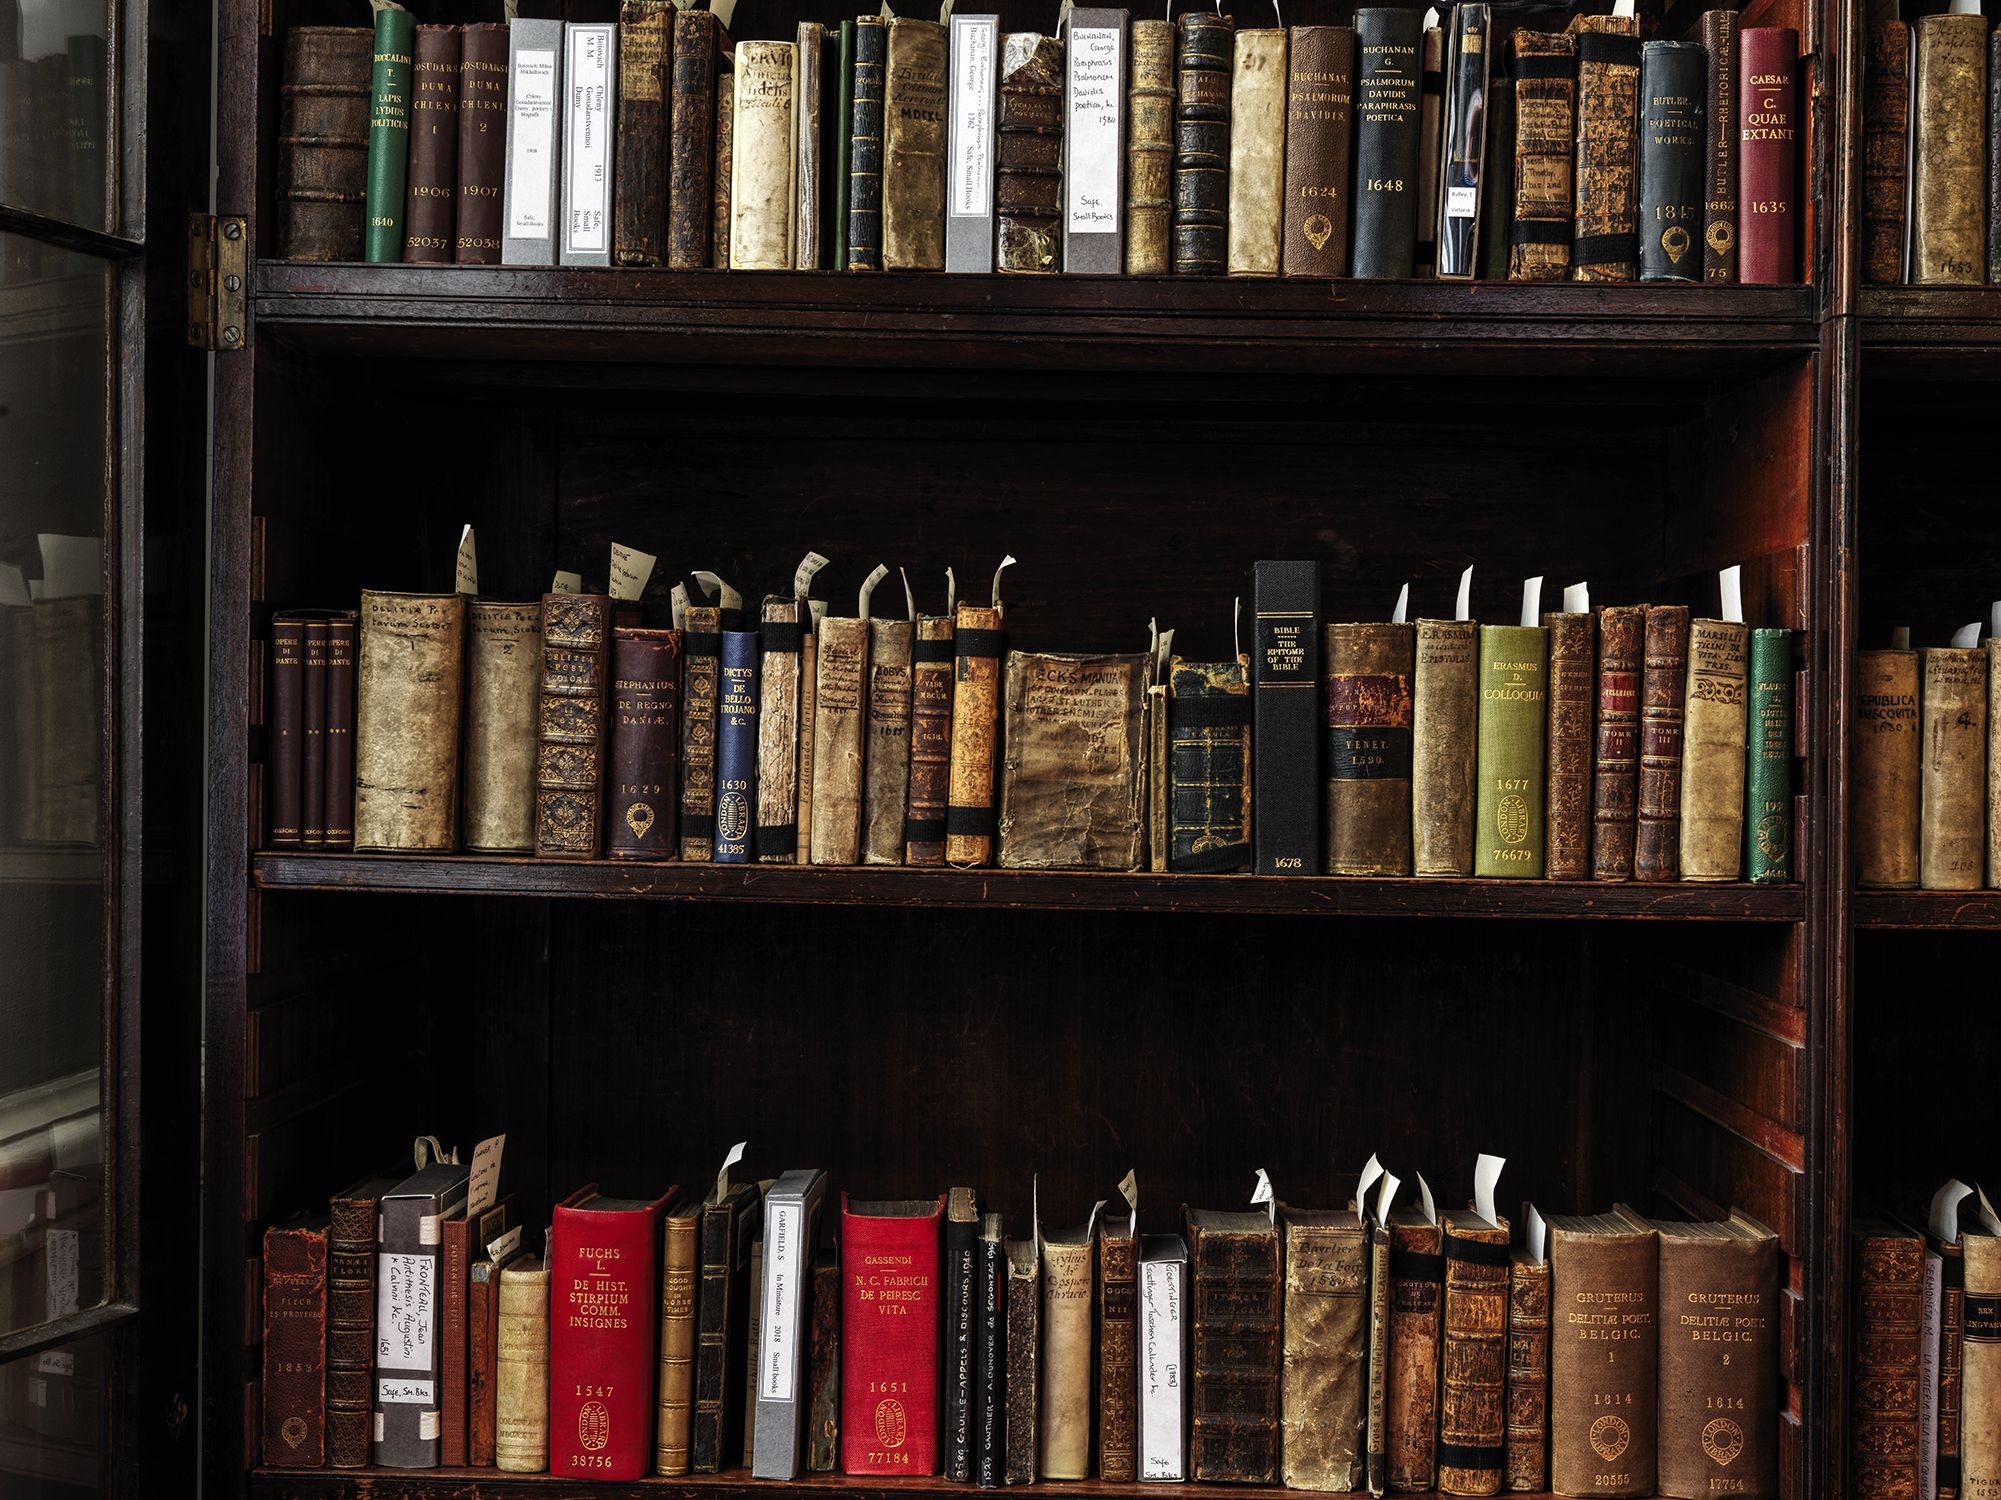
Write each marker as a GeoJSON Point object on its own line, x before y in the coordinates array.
{"type": "Point", "coordinates": [989, 1445]}
{"type": "Point", "coordinates": [1285, 723]}
{"type": "Point", "coordinates": [865, 146]}
{"type": "Point", "coordinates": [962, 1254]}
{"type": "Point", "coordinates": [1386, 139]}
{"type": "Point", "coordinates": [1674, 76]}
{"type": "Point", "coordinates": [1202, 62]}
{"type": "Point", "coordinates": [1463, 153]}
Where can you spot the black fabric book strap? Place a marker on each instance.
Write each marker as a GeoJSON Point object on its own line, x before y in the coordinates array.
{"type": "Point", "coordinates": [1460, 1456]}
{"type": "Point", "coordinates": [781, 635]}
{"type": "Point", "coordinates": [1416, 1265]}
{"type": "Point", "coordinates": [1434, 85]}
{"type": "Point", "coordinates": [698, 826]}
{"type": "Point", "coordinates": [969, 822]}
{"type": "Point", "coordinates": [1475, 1252]}
{"type": "Point", "coordinates": [1607, 47]}
{"type": "Point", "coordinates": [1211, 861]}
{"type": "Point", "coordinates": [1230, 711]}
{"type": "Point", "coordinates": [924, 651]}
{"type": "Point", "coordinates": [1541, 232]}
{"type": "Point", "coordinates": [1604, 249]}
{"type": "Point", "coordinates": [1542, 65]}
{"type": "Point", "coordinates": [923, 830]}
{"type": "Point", "coordinates": [777, 838]}
{"type": "Point", "coordinates": [982, 642]}
{"type": "Point", "coordinates": [703, 643]}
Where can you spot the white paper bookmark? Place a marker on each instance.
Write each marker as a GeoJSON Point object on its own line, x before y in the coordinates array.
{"type": "Point", "coordinates": [1577, 599]}
{"type": "Point", "coordinates": [1622, 7]}
{"type": "Point", "coordinates": [1967, 636]}
{"type": "Point", "coordinates": [427, 1149]}
{"type": "Point", "coordinates": [677, 604]}
{"type": "Point", "coordinates": [909, 594]}
{"type": "Point", "coordinates": [1237, 626]}
{"type": "Point", "coordinates": [566, 582]}
{"type": "Point", "coordinates": [713, 585]}
{"type": "Point", "coordinates": [1730, 591]}
{"type": "Point", "coordinates": [1371, 1170]}
{"type": "Point", "coordinates": [951, 594]}
{"type": "Point", "coordinates": [1487, 1177]}
{"type": "Point", "coordinates": [724, 11]}
{"type": "Point", "coordinates": [1431, 18]}
{"type": "Point", "coordinates": [1387, 1198]}
{"type": "Point", "coordinates": [863, 603]}
{"type": "Point", "coordinates": [1532, 600]}
{"type": "Point", "coordinates": [1129, 1190]}
{"type": "Point", "coordinates": [630, 571]}
{"type": "Point", "coordinates": [1005, 563]}
{"type": "Point", "coordinates": [1943, 1221]}
{"type": "Point", "coordinates": [1424, 1200]}
{"type": "Point", "coordinates": [1463, 610]}
{"type": "Point", "coordinates": [1262, 1194]}
{"type": "Point", "coordinates": [466, 569]}
{"type": "Point", "coordinates": [1403, 606]}
{"type": "Point", "coordinates": [1994, 618]}
{"type": "Point", "coordinates": [723, 1177]}
{"type": "Point", "coordinates": [1538, 1233]}
{"type": "Point", "coordinates": [802, 576]}
{"type": "Point", "coordinates": [1900, 638]}
{"type": "Point", "coordinates": [1990, 1222]}
{"type": "Point", "coordinates": [1034, 1198]}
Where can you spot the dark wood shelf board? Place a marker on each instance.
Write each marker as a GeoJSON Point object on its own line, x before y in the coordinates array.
{"type": "Point", "coordinates": [20, 865]}
{"type": "Point", "coordinates": [1932, 331]}
{"type": "Point", "coordinates": [1929, 911]}
{"type": "Point", "coordinates": [995, 889]}
{"type": "Point", "coordinates": [831, 318]}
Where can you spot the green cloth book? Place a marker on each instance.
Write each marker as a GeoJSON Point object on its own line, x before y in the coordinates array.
{"type": "Point", "coordinates": [844, 92]}
{"type": "Point", "coordinates": [1768, 778]}
{"type": "Point", "coordinates": [1513, 785]}
{"type": "Point", "coordinates": [388, 136]}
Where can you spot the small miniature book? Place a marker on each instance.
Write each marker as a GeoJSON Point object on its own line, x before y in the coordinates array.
{"type": "Point", "coordinates": [431, 189]}
{"type": "Point", "coordinates": [1672, 79]}
{"type": "Point", "coordinates": [1714, 731]}
{"type": "Point", "coordinates": [1163, 1357]}
{"type": "Point", "coordinates": [886, 784]}
{"type": "Point", "coordinates": [1768, 828]}
{"type": "Point", "coordinates": [680, 1269]}
{"type": "Point", "coordinates": [1285, 671]}
{"type": "Point", "coordinates": [1527, 1445]}
{"type": "Point", "coordinates": [521, 1369]}
{"type": "Point", "coordinates": [1888, 1300]}
{"type": "Point", "coordinates": [808, 165]}
{"type": "Point", "coordinates": [1462, 150]}
{"type": "Point", "coordinates": [640, 141]}
{"type": "Point", "coordinates": [701, 654]}
{"type": "Point", "coordinates": [1616, 750]}
{"type": "Point", "coordinates": [534, 142]}
{"type": "Point", "coordinates": [700, 45]}
{"type": "Point", "coordinates": [388, 135]}
{"type": "Point", "coordinates": [840, 722]}
{"type": "Point", "coordinates": [990, 1357]}
{"type": "Point", "coordinates": [1720, 32]}
{"type": "Point", "coordinates": [1657, 839]}
{"type": "Point", "coordinates": [1568, 816]}
{"type": "Point", "coordinates": [1118, 1349]}
{"type": "Point", "coordinates": [823, 1364]}
{"type": "Point", "coordinates": [1257, 152]}
{"type": "Point", "coordinates": [1094, 139]}
{"type": "Point", "coordinates": [408, 1359]}
{"type": "Point", "coordinates": [643, 754]}
{"type": "Point", "coordinates": [590, 91]}
{"type": "Point", "coordinates": [973, 142]}
{"type": "Point", "coordinates": [1319, 135]}
{"type": "Point", "coordinates": [1510, 820]}
{"type": "Point", "coordinates": [1445, 700]}
{"type": "Point", "coordinates": [323, 100]}
{"type": "Point", "coordinates": [781, 635]}
{"type": "Point", "coordinates": [1472, 1414]}
{"type": "Point", "coordinates": [791, 1226]}
{"type": "Point", "coordinates": [762, 150]}
{"type": "Point", "coordinates": [1150, 147]}
{"type": "Point", "coordinates": [913, 147]}
{"type": "Point", "coordinates": [931, 666]}
{"type": "Point", "coordinates": [1952, 777]}
{"type": "Point", "coordinates": [1028, 191]}
{"type": "Point", "coordinates": [1209, 765]}
{"type": "Point", "coordinates": [736, 747]}
{"type": "Point", "coordinates": [1203, 66]}
{"type": "Point", "coordinates": [1768, 252]}
{"type": "Point", "coordinates": [865, 145]}
{"type": "Point", "coordinates": [730, 1222]}
{"type": "Point", "coordinates": [1368, 706]}
{"type": "Point", "coordinates": [1606, 243]}
{"type": "Point", "coordinates": [979, 641]}
{"type": "Point", "coordinates": [1544, 147]}
{"type": "Point", "coordinates": [962, 1256]}
{"type": "Point", "coordinates": [1387, 107]}
{"type": "Point", "coordinates": [1719, 1421]}
{"type": "Point", "coordinates": [1417, 1286]}
{"type": "Point", "coordinates": [294, 1308]}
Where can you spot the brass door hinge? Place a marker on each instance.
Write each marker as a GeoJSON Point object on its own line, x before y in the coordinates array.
{"type": "Point", "coordinates": [218, 279]}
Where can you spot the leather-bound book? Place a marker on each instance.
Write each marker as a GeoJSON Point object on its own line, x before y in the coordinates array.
{"type": "Point", "coordinates": [1417, 1290]}
{"type": "Point", "coordinates": [293, 1390]}
{"type": "Point", "coordinates": [1545, 67]}
{"type": "Point", "coordinates": [287, 720]}
{"type": "Point", "coordinates": [761, 163]}
{"type": "Point", "coordinates": [1285, 738]}
{"type": "Point", "coordinates": [823, 1364]}
{"type": "Point", "coordinates": [1572, 666]}
{"type": "Point", "coordinates": [1663, 689]}
{"type": "Point", "coordinates": [406, 751]}
{"type": "Point", "coordinates": [699, 44]}
{"type": "Point", "coordinates": [431, 192]}
{"type": "Point", "coordinates": [865, 145]}
{"type": "Point", "coordinates": [503, 694]}
{"type": "Point", "coordinates": [1497, 179]}
{"type": "Point", "coordinates": [840, 719]}
{"type": "Point", "coordinates": [809, 704]}
{"type": "Point", "coordinates": [792, 1208]}
{"type": "Point", "coordinates": [808, 106]}
{"type": "Point", "coordinates": [1368, 672]}
{"type": "Point", "coordinates": [1209, 765]}
{"type": "Point", "coordinates": [1511, 760]}
{"type": "Point", "coordinates": [1430, 126]}
{"type": "Point", "coordinates": [1993, 649]}
{"type": "Point", "coordinates": [1719, 1360]}
{"type": "Point", "coordinates": [1118, 1350]}
{"type": "Point", "coordinates": [1024, 1351]}
{"type": "Point", "coordinates": [1942, 1362]}
{"type": "Point", "coordinates": [931, 659]}
{"type": "Point", "coordinates": [1673, 77]}
{"type": "Point", "coordinates": [752, 1349]}
{"type": "Point", "coordinates": [962, 1254]}
{"type": "Point", "coordinates": [1720, 145]}
{"type": "Point", "coordinates": [1325, 1363]}
{"type": "Point", "coordinates": [1605, 245]}
{"type": "Point", "coordinates": [1603, 1376]}
{"type": "Point", "coordinates": [1063, 1382]}
{"type": "Point", "coordinates": [1445, 700]}
{"type": "Point", "coordinates": [323, 141]}
{"type": "Point", "coordinates": [1883, 1394]}
{"type": "Point", "coordinates": [1768, 252]}
{"type": "Point", "coordinates": [482, 155]}
{"type": "Point", "coordinates": [1884, 782]}
{"type": "Point", "coordinates": [1257, 153]}
{"type": "Point", "coordinates": [722, 1310]}
{"type": "Point", "coordinates": [408, 1349]}
{"type": "Point", "coordinates": [1376, 1427]}
{"type": "Point", "coordinates": [639, 164]}
{"type": "Point", "coordinates": [680, 1251]}
{"type": "Point", "coordinates": [1528, 1373]}
{"type": "Point", "coordinates": [388, 136]}
{"type": "Point", "coordinates": [1072, 792]}
{"type": "Point", "coordinates": [1886, 150]}
{"type": "Point", "coordinates": [890, 1344]}
{"type": "Point", "coordinates": [604, 1264]}
{"type": "Point", "coordinates": [973, 142]}
{"type": "Point", "coordinates": [535, 122]}
{"type": "Point", "coordinates": [1472, 1401]}
{"type": "Point", "coordinates": [736, 747]}
{"type": "Point", "coordinates": [886, 789]}
{"type": "Point", "coordinates": [521, 1369]}
{"type": "Point", "coordinates": [913, 147]}
{"type": "Point", "coordinates": [840, 127]}
{"type": "Point", "coordinates": [978, 643]}
{"type": "Point", "coordinates": [569, 766]}
{"type": "Point", "coordinates": [1319, 129]}
{"type": "Point", "coordinates": [1233, 1436]}
{"type": "Point", "coordinates": [340, 730]}
{"type": "Point", "coordinates": [1980, 1370]}
{"type": "Point", "coordinates": [1948, 161]}
{"type": "Point", "coordinates": [1159, 779]}
{"type": "Point", "coordinates": [350, 1377]}
{"type": "Point", "coordinates": [454, 1273]}
{"type": "Point", "coordinates": [313, 738]}
{"type": "Point", "coordinates": [989, 1356]}
{"type": "Point", "coordinates": [701, 656]}
{"type": "Point", "coordinates": [780, 637]}
{"type": "Point", "coordinates": [1150, 148]}
{"type": "Point", "coordinates": [482, 1359]}
{"type": "Point", "coordinates": [1028, 189]}
{"type": "Point", "coordinates": [643, 757]}
{"type": "Point", "coordinates": [1616, 751]}
{"type": "Point", "coordinates": [1203, 67]}
{"type": "Point", "coordinates": [1462, 152]}
{"type": "Point", "coordinates": [1387, 107]}
{"type": "Point", "coordinates": [1715, 728]}
{"type": "Point", "coordinates": [1952, 775]}
{"type": "Point", "coordinates": [1094, 139]}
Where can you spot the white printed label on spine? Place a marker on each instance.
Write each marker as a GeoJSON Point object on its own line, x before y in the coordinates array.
{"type": "Point", "coordinates": [534, 130]}
{"type": "Point", "coordinates": [784, 1223]}
{"type": "Point", "coordinates": [972, 94]}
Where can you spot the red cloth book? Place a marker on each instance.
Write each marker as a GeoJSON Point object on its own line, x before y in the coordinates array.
{"type": "Point", "coordinates": [889, 1336]}
{"type": "Point", "coordinates": [1768, 206]}
{"type": "Point", "coordinates": [604, 1289]}
{"type": "Point", "coordinates": [454, 1267]}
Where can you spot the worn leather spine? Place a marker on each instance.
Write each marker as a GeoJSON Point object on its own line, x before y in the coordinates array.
{"type": "Point", "coordinates": [287, 728]}
{"type": "Point", "coordinates": [521, 1364]}
{"type": "Point", "coordinates": [1257, 153]}
{"type": "Point", "coordinates": [640, 162]}
{"type": "Point", "coordinates": [1510, 816]}
{"type": "Point", "coordinates": [1528, 1374]}
{"type": "Point", "coordinates": [823, 1364]}
{"type": "Point", "coordinates": [701, 648]}
{"type": "Point", "coordinates": [1159, 780]}
{"type": "Point", "coordinates": [1118, 1351]}
{"type": "Point", "coordinates": [503, 695]}
{"type": "Point", "coordinates": [722, 1310]}
{"type": "Point", "coordinates": [313, 738]}
{"type": "Point", "coordinates": [431, 190]}
{"type": "Point", "coordinates": [1993, 158]}
{"type": "Point", "coordinates": [1568, 819]}
{"type": "Point", "coordinates": [1209, 765]}
{"type": "Point", "coordinates": [886, 790]}
{"type": "Point", "coordinates": [1387, 109]}
{"type": "Point", "coordinates": [1768, 761]}
{"type": "Point", "coordinates": [1993, 650]}
{"type": "Point", "coordinates": [643, 750]}
{"type": "Point", "coordinates": [1952, 778]}
{"type": "Point", "coordinates": [1605, 245]}
{"type": "Point", "coordinates": [1064, 1380]}
{"type": "Point", "coordinates": [1203, 67]}
{"type": "Point", "coordinates": [1150, 148]}
{"type": "Point", "coordinates": [1950, 1354]}
{"type": "Point", "coordinates": [293, 1391]}
{"type": "Point", "coordinates": [679, 1268]}
{"type": "Point", "coordinates": [1417, 1286]}
{"type": "Point", "coordinates": [1430, 134]}
{"type": "Point", "coordinates": [1715, 729]}
{"type": "Point", "coordinates": [1319, 129]}
{"type": "Point", "coordinates": [1444, 703]}
{"type": "Point", "coordinates": [913, 147]}
{"type": "Point", "coordinates": [808, 167]}
{"type": "Point", "coordinates": [1768, 252]}
{"type": "Point", "coordinates": [1884, 782]}
{"type": "Point", "coordinates": [840, 718]}
{"type": "Point", "coordinates": [340, 730]}
{"type": "Point", "coordinates": [407, 696]}
{"type": "Point", "coordinates": [1673, 78]}
{"type": "Point", "coordinates": [692, 139]}
{"type": "Point", "coordinates": [1616, 749]}
{"type": "Point", "coordinates": [989, 1351]}
{"type": "Point", "coordinates": [1886, 149]}
{"type": "Point", "coordinates": [323, 141]}
{"type": "Point", "coordinates": [388, 136]}
{"type": "Point", "coordinates": [1237, 1300]}
{"type": "Point", "coordinates": [1028, 187]}
{"type": "Point", "coordinates": [1883, 1394]}
{"type": "Point", "coordinates": [961, 1270]}
{"type": "Point", "coordinates": [1376, 1428]}
{"type": "Point", "coordinates": [482, 176]}
{"type": "Point", "coordinates": [1545, 68]}
{"type": "Point", "coordinates": [778, 722]}
{"type": "Point", "coordinates": [1024, 1350]}
{"type": "Point", "coordinates": [1948, 165]}
{"type": "Point", "coordinates": [865, 145]}
{"type": "Point", "coordinates": [979, 642]}
{"type": "Point", "coordinates": [569, 767]}
{"type": "Point", "coordinates": [723, 173]}
{"type": "Point", "coordinates": [482, 1370]}
{"type": "Point", "coordinates": [761, 159]}
{"type": "Point", "coordinates": [841, 128]}
{"type": "Point", "coordinates": [1980, 1369]}
{"type": "Point", "coordinates": [931, 663]}
{"type": "Point", "coordinates": [1719, 1361]}
{"type": "Point", "coordinates": [1720, 145]}
{"type": "Point", "coordinates": [1071, 790]}
{"type": "Point", "coordinates": [1603, 1377]}
{"type": "Point", "coordinates": [350, 1369]}
{"type": "Point", "coordinates": [1324, 1386]}
{"type": "Point", "coordinates": [1663, 687]}
{"type": "Point", "coordinates": [1367, 692]}
{"type": "Point", "coordinates": [1472, 1404]}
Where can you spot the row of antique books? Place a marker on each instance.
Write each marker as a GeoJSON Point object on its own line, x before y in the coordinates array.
{"type": "Point", "coordinates": [1630, 742]}
{"type": "Point", "coordinates": [1926, 1378]}
{"type": "Point", "coordinates": [1394, 147]}
{"type": "Point", "coordinates": [1927, 767]}
{"type": "Point", "coordinates": [1392, 1350]}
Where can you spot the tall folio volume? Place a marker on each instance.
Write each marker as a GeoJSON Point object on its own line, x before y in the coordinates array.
{"type": "Point", "coordinates": [1285, 671]}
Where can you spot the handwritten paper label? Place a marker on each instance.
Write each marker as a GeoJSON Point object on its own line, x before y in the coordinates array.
{"type": "Point", "coordinates": [1129, 1190]}
{"type": "Point", "coordinates": [466, 571]}
{"type": "Point", "coordinates": [784, 1223]}
{"type": "Point", "coordinates": [1091, 177]}
{"type": "Point", "coordinates": [500, 1249]}
{"type": "Point", "coordinates": [1967, 636]}
{"type": "Point", "coordinates": [723, 10]}
{"type": "Point", "coordinates": [972, 195]}
{"type": "Point", "coordinates": [713, 586]}
{"type": "Point", "coordinates": [1487, 1177]}
{"type": "Point", "coordinates": [630, 570]}
{"type": "Point", "coordinates": [588, 143]}
{"type": "Point", "coordinates": [1162, 1380]}
{"type": "Point", "coordinates": [402, 1392]}
{"type": "Point", "coordinates": [405, 1310]}
{"type": "Point", "coordinates": [483, 1190]}
{"type": "Point", "coordinates": [1005, 563]}
{"type": "Point", "coordinates": [802, 576]}
{"type": "Point", "coordinates": [1900, 638]}
{"type": "Point", "coordinates": [566, 582]}
{"type": "Point", "coordinates": [532, 171]}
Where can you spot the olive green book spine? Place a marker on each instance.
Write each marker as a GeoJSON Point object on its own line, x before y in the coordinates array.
{"type": "Point", "coordinates": [1768, 779]}
{"type": "Point", "coordinates": [1512, 791]}
{"type": "Point", "coordinates": [388, 136]}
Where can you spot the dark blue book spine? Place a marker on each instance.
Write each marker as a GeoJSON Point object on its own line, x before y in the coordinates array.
{"type": "Point", "coordinates": [1285, 729]}
{"type": "Point", "coordinates": [736, 747]}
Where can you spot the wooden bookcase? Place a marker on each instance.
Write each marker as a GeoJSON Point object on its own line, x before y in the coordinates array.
{"type": "Point", "coordinates": [1137, 444]}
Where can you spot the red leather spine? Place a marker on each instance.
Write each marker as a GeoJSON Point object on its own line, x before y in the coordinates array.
{"type": "Point", "coordinates": [604, 1317]}
{"type": "Point", "coordinates": [643, 781]}
{"type": "Point", "coordinates": [281, 763]}
{"type": "Point", "coordinates": [295, 1347]}
{"type": "Point", "coordinates": [482, 1329]}
{"type": "Point", "coordinates": [1768, 207]}
{"type": "Point", "coordinates": [889, 1336]}
{"type": "Point", "coordinates": [454, 1266]}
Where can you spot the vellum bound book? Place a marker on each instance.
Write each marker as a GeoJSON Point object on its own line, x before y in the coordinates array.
{"type": "Point", "coordinates": [1072, 774]}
